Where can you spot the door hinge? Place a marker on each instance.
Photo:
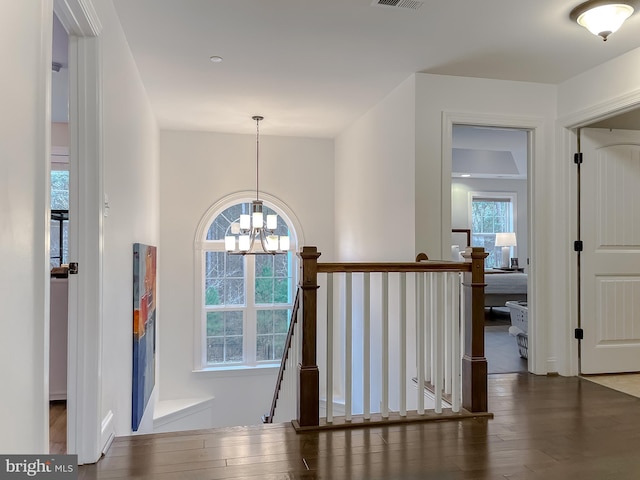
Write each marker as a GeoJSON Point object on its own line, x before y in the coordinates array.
{"type": "Point", "coordinates": [578, 246]}
{"type": "Point", "coordinates": [73, 268]}
{"type": "Point", "coordinates": [579, 334]}
{"type": "Point", "coordinates": [577, 158]}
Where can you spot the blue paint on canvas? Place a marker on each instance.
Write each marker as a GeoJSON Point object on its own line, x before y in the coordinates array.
{"type": "Point", "coordinates": [144, 329]}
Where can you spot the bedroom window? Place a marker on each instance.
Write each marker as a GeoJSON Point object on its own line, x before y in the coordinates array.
{"type": "Point", "coordinates": [246, 301]}
{"type": "Point", "coordinates": [491, 213]}
{"type": "Point", "coordinates": [59, 230]}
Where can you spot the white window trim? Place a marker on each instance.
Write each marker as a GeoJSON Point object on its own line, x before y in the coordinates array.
{"type": "Point", "coordinates": [201, 245]}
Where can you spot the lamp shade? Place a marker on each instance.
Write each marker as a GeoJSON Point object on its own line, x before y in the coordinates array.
{"type": "Point", "coordinates": [506, 239]}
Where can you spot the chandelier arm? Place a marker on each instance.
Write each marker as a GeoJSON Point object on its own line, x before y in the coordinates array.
{"type": "Point", "coordinates": [263, 241]}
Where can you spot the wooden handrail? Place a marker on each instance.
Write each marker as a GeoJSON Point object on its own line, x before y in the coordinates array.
{"type": "Point", "coordinates": [424, 266]}
{"type": "Point", "coordinates": [268, 418]}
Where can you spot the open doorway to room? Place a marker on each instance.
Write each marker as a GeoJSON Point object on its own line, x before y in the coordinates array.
{"type": "Point", "coordinates": [59, 241]}
{"type": "Point", "coordinates": [489, 199]}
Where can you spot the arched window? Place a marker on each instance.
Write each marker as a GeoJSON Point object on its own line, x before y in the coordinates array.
{"type": "Point", "coordinates": [245, 301]}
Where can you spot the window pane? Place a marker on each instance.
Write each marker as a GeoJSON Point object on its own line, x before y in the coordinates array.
{"type": "Point", "coordinates": [281, 264]}
{"type": "Point", "coordinates": [272, 333]}
{"type": "Point", "coordinates": [264, 290]}
{"type": "Point", "coordinates": [233, 349]}
{"type": "Point", "coordinates": [59, 190]}
{"type": "Point", "coordinates": [265, 323]}
{"type": "Point", "coordinates": [234, 292]}
{"type": "Point", "coordinates": [215, 324]}
{"type": "Point", "coordinates": [215, 350]}
{"type": "Point", "coordinates": [224, 336]}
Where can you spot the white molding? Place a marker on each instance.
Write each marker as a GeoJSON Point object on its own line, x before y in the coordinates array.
{"type": "Point", "coordinates": [615, 106]}
{"type": "Point", "coordinates": [538, 327]}
{"type": "Point", "coordinates": [78, 17]}
{"type": "Point", "coordinates": [84, 425]}
{"type": "Point", "coordinates": [42, 219]}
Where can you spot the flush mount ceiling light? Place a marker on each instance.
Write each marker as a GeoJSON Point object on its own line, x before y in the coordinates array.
{"type": "Point", "coordinates": [602, 17]}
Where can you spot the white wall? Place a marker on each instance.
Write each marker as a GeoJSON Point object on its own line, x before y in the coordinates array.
{"type": "Point", "coordinates": [602, 89]}
{"type": "Point", "coordinates": [460, 214]}
{"type": "Point", "coordinates": [131, 180]}
{"type": "Point", "coordinates": [438, 96]}
{"type": "Point", "coordinates": [375, 163]}
{"type": "Point", "coordinates": [197, 170]}
{"type": "Point", "coordinates": [24, 292]}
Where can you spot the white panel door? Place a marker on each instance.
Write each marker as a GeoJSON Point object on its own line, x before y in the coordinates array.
{"type": "Point", "coordinates": [610, 261]}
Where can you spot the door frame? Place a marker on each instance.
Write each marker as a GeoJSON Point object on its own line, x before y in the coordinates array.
{"type": "Point", "coordinates": [85, 430]}
{"type": "Point", "coordinates": [537, 350]}
{"type": "Point", "coordinates": [567, 145]}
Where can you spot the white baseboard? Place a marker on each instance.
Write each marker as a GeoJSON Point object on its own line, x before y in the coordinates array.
{"type": "Point", "coordinates": [107, 432]}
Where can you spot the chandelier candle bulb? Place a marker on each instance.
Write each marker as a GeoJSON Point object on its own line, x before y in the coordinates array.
{"type": "Point", "coordinates": [245, 222]}
{"type": "Point", "coordinates": [272, 243]}
{"type": "Point", "coordinates": [258, 220]}
{"type": "Point", "coordinates": [284, 243]}
{"type": "Point", "coordinates": [272, 222]}
{"type": "Point", "coordinates": [244, 243]}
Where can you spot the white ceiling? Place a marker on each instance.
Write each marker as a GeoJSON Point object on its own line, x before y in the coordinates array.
{"type": "Point", "coordinates": [312, 67]}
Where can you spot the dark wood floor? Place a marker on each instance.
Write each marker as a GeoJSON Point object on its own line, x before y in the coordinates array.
{"type": "Point", "coordinates": [58, 427]}
{"type": "Point", "coordinates": [544, 428]}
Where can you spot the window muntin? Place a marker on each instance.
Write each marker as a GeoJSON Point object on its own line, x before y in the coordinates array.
{"type": "Point", "coordinates": [247, 300]}
{"type": "Point", "coordinates": [491, 214]}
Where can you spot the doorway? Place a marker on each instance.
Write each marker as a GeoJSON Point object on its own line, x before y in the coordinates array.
{"type": "Point", "coordinates": [489, 197]}
{"type": "Point", "coordinates": [59, 241]}
{"type": "Point", "coordinates": [84, 426]}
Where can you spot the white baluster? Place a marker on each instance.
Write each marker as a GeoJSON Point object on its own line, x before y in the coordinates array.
{"type": "Point", "coordinates": [428, 326]}
{"type": "Point", "coordinates": [385, 345]}
{"type": "Point", "coordinates": [448, 340]}
{"type": "Point", "coordinates": [366, 347]}
{"type": "Point", "coordinates": [348, 347]}
{"type": "Point", "coordinates": [329, 395]}
{"type": "Point", "coordinates": [438, 342]}
{"type": "Point", "coordinates": [420, 336]}
{"type": "Point", "coordinates": [455, 344]}
{"type": "Point", "coordinates": [403, 344]}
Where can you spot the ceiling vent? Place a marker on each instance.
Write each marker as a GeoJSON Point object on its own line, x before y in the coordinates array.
{"type": "Point", "coordinates": [412, 4]}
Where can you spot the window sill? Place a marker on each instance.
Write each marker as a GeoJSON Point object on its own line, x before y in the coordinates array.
{"type": "Point", "coordinates": [238, 371]}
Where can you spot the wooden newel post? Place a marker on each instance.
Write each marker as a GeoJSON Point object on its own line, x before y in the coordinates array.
{"type": "Point", "coordinates": [308, 375]}
{"type": "Point", "coordinates": [474, 363]}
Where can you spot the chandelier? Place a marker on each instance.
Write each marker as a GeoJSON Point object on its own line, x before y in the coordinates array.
{"type": "Point", "coordinates": [252, 231]}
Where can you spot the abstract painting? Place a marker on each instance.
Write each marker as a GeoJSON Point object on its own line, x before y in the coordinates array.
{"type": "Point", "coordinates": [144, 329]}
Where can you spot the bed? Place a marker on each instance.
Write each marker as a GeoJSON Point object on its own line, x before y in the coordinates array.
{"type": "Point", "coordinates": [504, 287]}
